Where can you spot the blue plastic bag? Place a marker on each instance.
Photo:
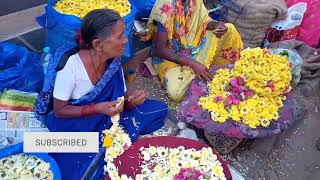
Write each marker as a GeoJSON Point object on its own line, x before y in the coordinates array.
{"type": "Point", "coordinates": [144, 7]}
{"type": "Point", "coordinates": [18, 148]}
{"type": "Point", "coordinates": [20, 69]}
{"type": "Point", "coordinates": [44, 102]}
{"type": "Point", "coordinates": [61, 28]}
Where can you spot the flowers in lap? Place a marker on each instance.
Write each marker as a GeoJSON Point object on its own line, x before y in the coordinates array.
{"type": "Point", "coordinates": [252, 92]}
{"type": "Point", "coordinates": [80, 8]}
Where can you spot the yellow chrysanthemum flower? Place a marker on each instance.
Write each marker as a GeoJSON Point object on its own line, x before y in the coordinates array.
{"type": "Point", "coordinates": [80, 8]}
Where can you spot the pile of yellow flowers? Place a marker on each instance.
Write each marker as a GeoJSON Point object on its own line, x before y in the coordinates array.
{"type": "Point", "coordinates": [252, 92]}
{"type": "Point", "coordinates": [80, 8]}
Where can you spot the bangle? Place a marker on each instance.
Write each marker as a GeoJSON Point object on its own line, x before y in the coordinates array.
{"type": "Point", "coordinates": [177, 58]}
{"type": "Point", "coordinates": [88, 110]}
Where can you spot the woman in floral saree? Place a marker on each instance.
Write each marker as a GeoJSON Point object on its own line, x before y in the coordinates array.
{"type": "Point", "coordinates": [86, 90]}
{"type": "Point", "coordinates": [186, 42]}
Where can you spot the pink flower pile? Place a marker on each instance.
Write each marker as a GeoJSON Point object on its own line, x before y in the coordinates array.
{"type": "Point", "coordinates": [238, 92]}
{"type": "Point", "coordinates": [188, 174]}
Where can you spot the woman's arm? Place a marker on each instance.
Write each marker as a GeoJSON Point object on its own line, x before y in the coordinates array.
{"type": "Point", "coordinates": [63, 109]}
{"type": "Point", "coordinates": [164, 52]}
{"type": "Point", "coordinates": [134, 99]}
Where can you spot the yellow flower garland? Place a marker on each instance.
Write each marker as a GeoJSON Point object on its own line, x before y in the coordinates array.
{"type": "Point", "coordinates": [80, 8]}
{"type": "Point", "coordinates": [266, 75]}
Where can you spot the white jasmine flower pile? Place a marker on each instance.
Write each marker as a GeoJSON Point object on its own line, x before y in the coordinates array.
{"type": "Point", "coordinates": [25, 167]}
{"type": "Point", "coordinates": [165, 163]}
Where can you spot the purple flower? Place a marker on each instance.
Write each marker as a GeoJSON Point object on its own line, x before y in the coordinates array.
{"type": "Point", "coordinates": [240, 81]}
{"type": "Point", "coordinates": [236, 101]}
{"type": "Point", "coordinates": [271, 85]}
{"type": "Point", "coordinates": [218, 99]}
{"type": "Point", "coordinates": [233, 100]}
{"type": "Point", "coordinates": [188, 174]}
{"type": "Point", "coordinates": [237, 82]}
{"type": "Point", "coordinates": [234, 82]}
{"type": "Point", "coordinates": [248, 93]}
{"type": "Point", "coordinates": [236, 89]}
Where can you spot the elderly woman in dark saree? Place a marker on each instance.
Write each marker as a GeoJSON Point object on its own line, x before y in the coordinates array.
{"type": "Point", "coordinates": [86, 90]}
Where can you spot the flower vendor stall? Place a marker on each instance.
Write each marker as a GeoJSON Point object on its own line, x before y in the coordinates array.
{"type": "Point", "coordinates": [250, 99]}
{"type": "Point", "coordinates": [63, 18]}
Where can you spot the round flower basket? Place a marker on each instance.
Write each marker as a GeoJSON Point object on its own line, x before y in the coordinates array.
{"type": "Point", "coordinates": [133, 156]}
{"type": "Point", "coordinates": [191, 112]}
{"type": "Point", "coordinates": [18, 149]}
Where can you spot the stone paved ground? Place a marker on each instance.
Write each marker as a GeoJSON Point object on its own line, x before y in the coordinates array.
{"type": "Point", "coordinates": [291, 155]}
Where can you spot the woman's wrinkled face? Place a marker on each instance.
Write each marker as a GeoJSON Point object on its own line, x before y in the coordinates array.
{"type": "Point", "coordinates": [114, 45]}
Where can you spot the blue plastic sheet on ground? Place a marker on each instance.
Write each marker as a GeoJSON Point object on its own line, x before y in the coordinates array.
{"type": "Point", "coordinates": [61, 28]}
{"type": "Point", "coordinates": [18, 148]}
{"type": "Point", "coordinates": [20, 69]}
